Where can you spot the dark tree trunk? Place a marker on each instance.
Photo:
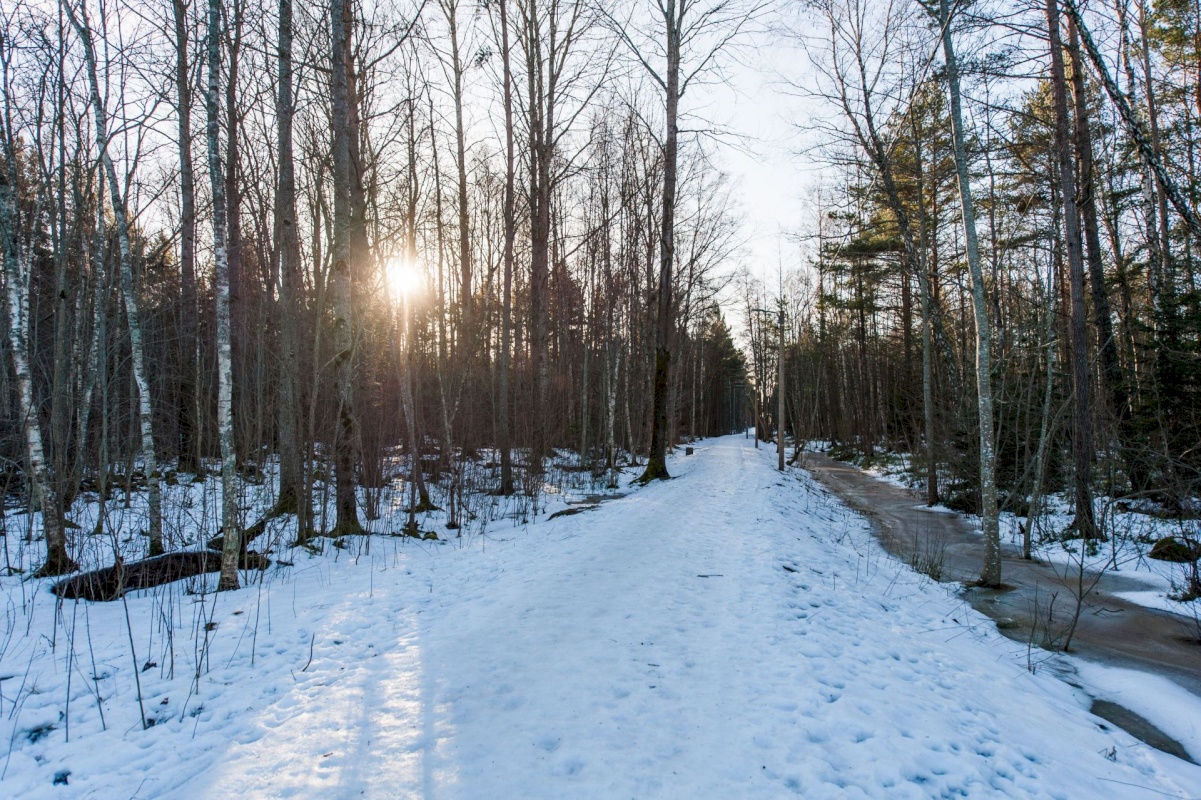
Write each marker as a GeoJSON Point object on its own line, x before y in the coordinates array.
{"type": "Point", "coordinates": [1082, 438]}
{"type": "Point", "coordinates": [1107, 346]}
{"type": "Point", "coordinates": [341, 276]}
{"type": "Point", "coordinates": [291, 473]}
{"type": "Point", "coordinates": [504, 441]}
{"type": "Point", "coordinates": [656, 465]}
{"type": "Point", "coordinates": [189, 427]}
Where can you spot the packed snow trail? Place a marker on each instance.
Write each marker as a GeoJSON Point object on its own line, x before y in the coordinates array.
{"type": "Point", "coordinates": [731, 633]}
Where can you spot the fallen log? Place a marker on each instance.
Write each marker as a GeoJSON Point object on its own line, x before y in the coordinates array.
{"type": "Point", "coordinates": [282, 508]}
{"type": "Point", "coordinates": [111, 582]}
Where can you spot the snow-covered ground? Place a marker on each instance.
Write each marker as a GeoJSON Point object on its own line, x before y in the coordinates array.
{"type": "Point", "coordinates": [731, 633]}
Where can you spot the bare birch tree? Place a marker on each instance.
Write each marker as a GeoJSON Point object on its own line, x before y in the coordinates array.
{"type": "Point", "coordinates": [18, 262]}
{"type": "Point", "coordinates": [231, 534]}
{"type": "Point", "coordinates": [129, 295]}
{"type": "Point", "coordinates": [990, 574]}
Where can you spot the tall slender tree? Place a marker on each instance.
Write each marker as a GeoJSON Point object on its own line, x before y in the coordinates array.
{"type": "Point", "coordinates": [189, 411]}
{"type": "Point", "coordinates": [345, 455]}
{"type": "Point", "coordinates": [18, 272]}
{"type": "Point", "coordinates": [231, 534]}
{"type": "Point", "coordinates": [129, 294]}
{"type": "Point", "coordinates": [701, 32]}
{"type": "Point", "coordinates": [291, 480]}
{"type": "Point", "coordinates": [1082, 430]}
{"type": "Point", "coordinates": [504, 359]}
{"type": "Point", "coordinates": [990, 574]}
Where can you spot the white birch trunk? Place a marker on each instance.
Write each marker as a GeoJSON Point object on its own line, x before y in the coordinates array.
{"type": "Point", "coordinates": [1034, 512]}
{"type": "Point", "coordinates": [128, 293]}
{"type": "Point", "coordinates": [231, 535]}
{"type": "Point", "coordinates": [17, 271]}
{"type": "Point", "coordinates": [990, 574]}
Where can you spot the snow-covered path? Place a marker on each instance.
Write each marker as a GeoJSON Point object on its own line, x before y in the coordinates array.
{"type": "Point", "coordinates": [731, 633]}
{"type": "Point", "coordinates": [728, 634]}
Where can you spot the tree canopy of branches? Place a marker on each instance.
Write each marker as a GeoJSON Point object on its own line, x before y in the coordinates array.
{"type": "Point", "coordinates": [1029, 172]}
{"type": "Point", "coordinates": [418, 230]}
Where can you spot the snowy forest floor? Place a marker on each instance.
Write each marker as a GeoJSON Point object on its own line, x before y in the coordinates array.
{"type": "Point", "coordinates": [732, 632]}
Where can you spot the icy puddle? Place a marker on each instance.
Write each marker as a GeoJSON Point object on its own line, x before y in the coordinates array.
{"type": "Point", "coordinates": [1036, 606]}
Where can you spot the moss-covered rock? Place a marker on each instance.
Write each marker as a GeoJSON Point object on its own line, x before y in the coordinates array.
{"type": "Point", "coordinates": [1176, 550]}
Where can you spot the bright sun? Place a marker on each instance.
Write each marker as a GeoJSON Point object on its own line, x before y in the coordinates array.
{"type": "Point", "coordinates": [404, 279]}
